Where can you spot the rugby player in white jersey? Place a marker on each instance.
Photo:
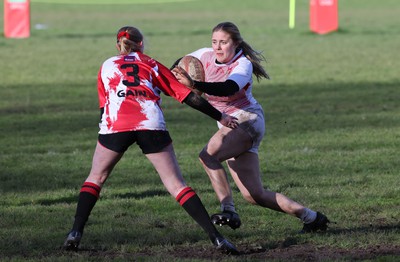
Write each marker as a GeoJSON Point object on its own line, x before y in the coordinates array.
{"type": "Point", "coordinates": [229, 65]}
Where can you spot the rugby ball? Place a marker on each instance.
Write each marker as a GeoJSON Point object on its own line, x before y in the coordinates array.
{"type": "Point", "coordinates": [194, 68]}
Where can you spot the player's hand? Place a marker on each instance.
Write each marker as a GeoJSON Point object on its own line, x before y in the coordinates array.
{"type": "Point", "coordinates": [182, 76]}
{"type": "Point", "coordinates": [229, 121]}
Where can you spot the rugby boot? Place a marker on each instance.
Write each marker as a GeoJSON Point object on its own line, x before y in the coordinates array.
{"type": "Point", "coordinates": [319, 224]}
{"type": "Point", "coordinates": [73, 240]}
{"type": "Point", "coordinates": [227, 218]}
{"type": "Point", "coordinates": [223, 245]}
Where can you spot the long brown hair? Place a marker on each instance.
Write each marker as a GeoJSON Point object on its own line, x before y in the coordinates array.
{"type": "Point", "coordinates": [254, 56]}
{"type": "Point", "coordinates": [130, 39]}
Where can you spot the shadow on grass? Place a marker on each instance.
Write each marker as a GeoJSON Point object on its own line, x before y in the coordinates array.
{"type": "Point", "coordinates": [329, 101]}
{"type": "Point", "coordinates": [365, 229]}
{"type": "Point", "coordinates": [144, 194]}
{"type": "Point", "coordinates": [290, 110]}
{"type": "Point", "coordinates": [74, 199]}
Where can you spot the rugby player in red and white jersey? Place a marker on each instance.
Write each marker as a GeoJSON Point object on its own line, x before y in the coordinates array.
{"type": "Point", "coordinates": [129, 90]}
{"type": "Point", "coordinates": [229, 66]}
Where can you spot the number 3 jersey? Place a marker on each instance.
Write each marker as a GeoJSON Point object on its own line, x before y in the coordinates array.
{"type": "Point", "coordinates": [129, 89]}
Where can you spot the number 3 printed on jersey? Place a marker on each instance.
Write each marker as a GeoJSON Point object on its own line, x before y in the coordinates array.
{"type": "Point", "coordinates": [132, 70]}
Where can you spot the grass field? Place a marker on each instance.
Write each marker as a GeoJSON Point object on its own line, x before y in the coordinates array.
{"type": "Point", "coordinates": [333, 133]}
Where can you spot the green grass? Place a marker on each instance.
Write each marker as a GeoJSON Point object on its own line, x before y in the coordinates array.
{"type": "Point", "coordinates": [332, 141]}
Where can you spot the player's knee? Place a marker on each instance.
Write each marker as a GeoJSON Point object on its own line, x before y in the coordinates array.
{"type": "Point", "coordinates": [205, 157]}
{"type": "Point", "coordinates": [201, 156]}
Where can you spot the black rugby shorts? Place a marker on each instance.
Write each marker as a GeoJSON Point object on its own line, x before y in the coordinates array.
{"type": "Point", "coordinates": [149, 141]}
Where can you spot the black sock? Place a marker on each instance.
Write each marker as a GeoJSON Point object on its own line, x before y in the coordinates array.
{"type": "Point", "coordinates": [189, 200]}
{"type": "Point", "coordinates": [87, 199]}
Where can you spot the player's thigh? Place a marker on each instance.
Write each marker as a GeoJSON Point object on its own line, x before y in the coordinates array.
{"type": "Point", "coordinates": [168, 169]}
{"type": "Point", "coordinates": [103, 162]}
{"type": "Point", "coordinates": [227, 143]}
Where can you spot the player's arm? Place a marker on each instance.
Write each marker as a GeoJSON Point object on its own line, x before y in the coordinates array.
{"type": "Point", "coordinates": [167, 81]}
{"type": "Point", "coordinates": [227, 88]}
{"type": "Point", "coordinates": [101, 93]}
{"type": "Point", "coordinates": [197, 102]}
{"type": "Point", "coordinates": [101, 112]}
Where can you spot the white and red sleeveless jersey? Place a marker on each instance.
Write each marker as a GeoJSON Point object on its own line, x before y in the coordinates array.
{"type": "Point", "coordinates": [239, 69]}
{"type": "Point", "coordinates": [129, 88]}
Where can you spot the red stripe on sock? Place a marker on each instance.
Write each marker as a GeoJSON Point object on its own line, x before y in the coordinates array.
{"type": "Point", "coordinates": [183, 191]}
{"type": "Point", "coordinates": [184, 195]}
{"type": "Point", "coordinates": [91, 188]}
{"type": "Point", "coordinates": [90, 184]}
{"type": "Point", "coordinates": [90, 191]}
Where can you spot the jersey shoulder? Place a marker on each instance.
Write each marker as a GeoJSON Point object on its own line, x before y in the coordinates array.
{"type": "Point", "coordinates": [202, 53]}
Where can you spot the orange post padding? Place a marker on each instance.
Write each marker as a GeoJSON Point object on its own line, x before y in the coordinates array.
{"type": "Point", "coordinates": [16, 18]}
{"type": "Point", "coordinates": [323, 16]}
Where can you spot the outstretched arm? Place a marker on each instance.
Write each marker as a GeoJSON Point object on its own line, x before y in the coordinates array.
{"type": "Point", "coordinates": [227, 88]}
{"type": "Point", "coordinates": [197, 102]}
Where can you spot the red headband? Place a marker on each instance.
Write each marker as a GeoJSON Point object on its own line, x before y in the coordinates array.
{"type": "Point", "coordinates": [121, 34]}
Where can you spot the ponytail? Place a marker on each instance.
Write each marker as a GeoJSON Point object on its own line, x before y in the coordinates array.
{"type": "Point", "coordinates": [255, 58]}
